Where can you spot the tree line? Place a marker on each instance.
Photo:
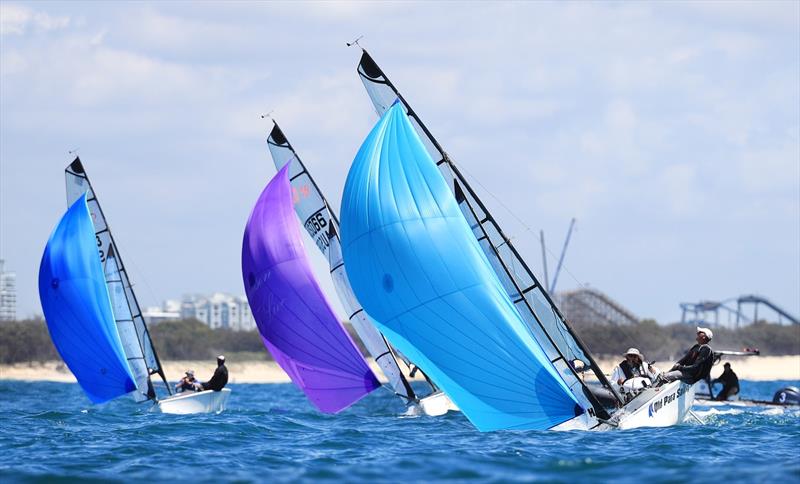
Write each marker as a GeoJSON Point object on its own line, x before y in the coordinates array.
{"type": "Point", "coordinates": [29, 341]}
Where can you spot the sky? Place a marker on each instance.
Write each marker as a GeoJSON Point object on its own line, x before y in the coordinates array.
{"type": "Point", "coordinates": [669, 130]}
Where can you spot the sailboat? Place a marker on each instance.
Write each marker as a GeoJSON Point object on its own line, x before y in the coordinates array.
{"type": "Point", "coordinates": [562, 345]}
{"type": "Point", "coordinates": [322, 225]}
{"type": "Point", "coordinates": [92, 312]}
{"type": "Point", "coordinates": [295, 320]}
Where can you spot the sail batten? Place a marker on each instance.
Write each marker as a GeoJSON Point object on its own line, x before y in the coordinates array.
{"type": "Point", "coordinates": [544, 319]}
{"type": "Point", "coordinates": [322, 225]}
{"type": "Point", "coordinates": [136, 340]}
{"type": "Point", "coordinates": [414, 264]}
{"type": "Point", "coordinates": [294, 319]}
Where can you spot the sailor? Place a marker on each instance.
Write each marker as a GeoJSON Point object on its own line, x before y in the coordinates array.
{"type": "Point", "coordinates": [220, 378]}
{"type": "Point", "coordinates": [188, 383]}
{"type": "Point", "coordinates": [696, 363]}
{"type": "Point", "coordinates": [730, 383]}
{"type": "Point", "coordinates": [632, 367]}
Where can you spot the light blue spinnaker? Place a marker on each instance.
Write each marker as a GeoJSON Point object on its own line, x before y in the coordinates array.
{"type": "Point", "coordinates": [76, 305]}
{"type": "Point", "coordinates": [416, 267]}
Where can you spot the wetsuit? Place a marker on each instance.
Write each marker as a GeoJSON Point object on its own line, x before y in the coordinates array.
{"type": "Point", "coordinates": [219, 380]}
{"type": "Point", "coordinates": [730, 384]}
{"type": "Point", "coordinates": [696, 363]}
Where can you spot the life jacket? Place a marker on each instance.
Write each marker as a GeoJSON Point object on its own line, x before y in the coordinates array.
{"type": "Point", "coordinates": [627, 370]}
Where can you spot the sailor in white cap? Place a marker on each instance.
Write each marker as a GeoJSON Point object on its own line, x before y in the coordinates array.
{"type": "Point", "coordinates": [633, 366]}
{"type": "Point", "coordinates": [696, 363]}
{"type": "Point", "coordinates": [220, 377]}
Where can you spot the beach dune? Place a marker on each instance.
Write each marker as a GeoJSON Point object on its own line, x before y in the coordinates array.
{"type": "Point", "coordinates": [763, 368]}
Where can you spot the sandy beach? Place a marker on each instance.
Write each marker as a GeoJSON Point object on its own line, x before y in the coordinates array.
{"type": "Point", "coordinates": [764, 368]}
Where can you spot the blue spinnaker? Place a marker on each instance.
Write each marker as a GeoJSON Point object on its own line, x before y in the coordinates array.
{"type": "Point", "coordinates": [295, 320]}
{"type": "Point", "coordinates": [76, 305]}
{"type": "Point", "coordinates": [417, 268]}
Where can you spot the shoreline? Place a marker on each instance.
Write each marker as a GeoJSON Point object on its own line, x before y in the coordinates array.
{"type": "Point", "coordinates": [753, 368]}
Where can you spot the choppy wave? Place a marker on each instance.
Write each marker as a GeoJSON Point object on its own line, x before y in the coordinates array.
{"type": "Point", "coordinates": [50, 430]}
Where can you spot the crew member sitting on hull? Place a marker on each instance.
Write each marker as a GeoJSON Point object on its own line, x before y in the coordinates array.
{"type": "Point", "coordinates": [188, 383]}
{"type": "Point", "coordinates": [696, 363]}
{"type": "Point", "coordinates": [633, 367]}
{"type": "Point", "coordinates": [220, 378]}
{"type": "Point", "coordinates": [730, 383]}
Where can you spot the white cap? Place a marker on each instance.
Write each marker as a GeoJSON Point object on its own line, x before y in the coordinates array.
{"type": "Point", "coordinates": [221, 357]}
{"type": "Point", "coordinates": [708, 332]}
{"type": "Point", "coordinates": [632, 351]}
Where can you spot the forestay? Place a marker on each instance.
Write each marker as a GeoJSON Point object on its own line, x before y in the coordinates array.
{"type": "Point", "coordinates": [294, 318]}
{"type": "Point", "coordinates": [133, 332]}
{"type": "Point", "coordinates": [415, 265]}
{"type": "Point", "coordinates": [322, 225]}
{"type": "Point", "coordinates": [76, 306]}
{"type": "Point", "coordinates": [561, 344]}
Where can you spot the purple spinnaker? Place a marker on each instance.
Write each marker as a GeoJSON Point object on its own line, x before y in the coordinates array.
{"type": "Point", "coordinates": [295, 320]}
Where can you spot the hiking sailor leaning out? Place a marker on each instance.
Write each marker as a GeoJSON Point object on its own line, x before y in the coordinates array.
{"type": "Point", "coordinates": [220, 377]}
{"type": "Point", "coordinates": [696, 363]}
{"type": "Point", "coordinates": [633, 366]}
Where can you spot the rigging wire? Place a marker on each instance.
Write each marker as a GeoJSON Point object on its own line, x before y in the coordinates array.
{"type": "Point", "coordinates": [626, 334]}
{"type": "Point", "coordinates": [521, 222]}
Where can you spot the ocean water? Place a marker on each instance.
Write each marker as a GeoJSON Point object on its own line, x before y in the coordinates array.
{"type": "Point", "coordinates": [50, 431]}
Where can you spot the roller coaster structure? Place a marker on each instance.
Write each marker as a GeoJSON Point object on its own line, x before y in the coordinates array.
{"type": "Point", "coordinates": [698, 313]}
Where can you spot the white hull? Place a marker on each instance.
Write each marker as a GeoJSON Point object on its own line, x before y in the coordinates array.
{"type": "Point", "coordinates": [657, 407]}
{"type": "Point", "coordinates": [434, 405]}
{"type": "Point", "coordinates": [437, 404]}
{"type": "Point", "coordinates": [185, 403]}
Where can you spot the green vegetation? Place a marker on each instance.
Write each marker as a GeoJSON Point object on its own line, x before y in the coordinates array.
{"type": "Point", "coordinates": [28, 341]}
{"type": "Point", "coordinates": [666, 342]}
{"type": "Point", "coordinates": [193, 340]}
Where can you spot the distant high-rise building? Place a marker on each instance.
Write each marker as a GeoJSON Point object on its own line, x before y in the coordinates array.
{"type": "Point", "coordinates": [219, 310]}
{"type": "Point", "coordinates": [8, 294]}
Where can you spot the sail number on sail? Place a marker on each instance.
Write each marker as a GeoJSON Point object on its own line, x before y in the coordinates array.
{"type": "Point", "coordinates": [315, 225]}
{"type": "Point", "coordinates": [100, 248]}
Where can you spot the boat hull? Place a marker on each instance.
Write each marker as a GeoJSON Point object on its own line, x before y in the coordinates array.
{"type": "Point", "coordinates": [437, 404]}
{"type": "Point", "coordinates": [207, 401]}
{"type": "Point", "coordinates": [658, 407]}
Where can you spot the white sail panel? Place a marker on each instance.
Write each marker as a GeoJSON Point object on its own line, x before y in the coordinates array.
{"type": "Point", "coordinates": [131, 326]}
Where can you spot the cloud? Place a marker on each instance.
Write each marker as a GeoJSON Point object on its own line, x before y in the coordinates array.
{"type": "Point", "coordinates": [18, 20]}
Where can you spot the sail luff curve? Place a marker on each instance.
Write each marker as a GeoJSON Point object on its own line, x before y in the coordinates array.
{"type": "Point", "coordinates": [322, 226]}
{"type": "Point", "coordinates": [294, 319]}
{"type": "Point", "coordinates": [562, 345]}
{"type": "Point", "coordinates": [77, 308]}
{"type": "Point", "coordinates": [414, 264]}
{"type": "Point", "coordinates": [131, 326]}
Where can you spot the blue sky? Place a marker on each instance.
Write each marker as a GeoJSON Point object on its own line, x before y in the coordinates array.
{"type": "Point", "coordinates": [671, 131]}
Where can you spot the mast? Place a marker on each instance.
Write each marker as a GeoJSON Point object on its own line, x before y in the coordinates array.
{"type": "Point", "coordinates": [322, 225]}
{"type": "Point", "coordinates": [563, 253]}
{"type": "Point", "coordinates": [545, 320]}
{"type": "Point", "coordinates": [137, 343]}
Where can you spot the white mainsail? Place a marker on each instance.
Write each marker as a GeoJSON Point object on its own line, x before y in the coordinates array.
{"type": "Point", "coordinates": [138, 346]}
